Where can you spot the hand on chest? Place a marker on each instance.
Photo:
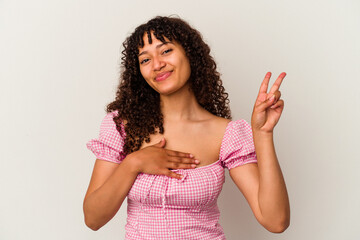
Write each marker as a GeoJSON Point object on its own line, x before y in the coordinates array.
{"type": "Point", "coordinates": [202, 141]}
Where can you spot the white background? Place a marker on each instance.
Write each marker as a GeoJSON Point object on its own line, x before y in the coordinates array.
{"type": "Point", "coordinates": [59, 67]}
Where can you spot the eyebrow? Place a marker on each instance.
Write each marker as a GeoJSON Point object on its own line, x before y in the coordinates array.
{"type": "Point", "coordinates": [158, 46]}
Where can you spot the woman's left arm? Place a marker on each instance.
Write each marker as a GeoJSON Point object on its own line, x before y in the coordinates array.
{"type": "Point", "coordinates": [263, 184]}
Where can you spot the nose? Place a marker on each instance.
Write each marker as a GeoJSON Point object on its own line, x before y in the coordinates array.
{"type": "Point", "coordinates": [158, 64]}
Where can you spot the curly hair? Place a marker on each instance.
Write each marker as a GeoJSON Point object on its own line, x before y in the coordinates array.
{"type": "Point", "coordinates": [139, 104]}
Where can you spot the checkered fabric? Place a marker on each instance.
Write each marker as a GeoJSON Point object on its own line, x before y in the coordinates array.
{"type": "Point", "coordinates": [160, 207]}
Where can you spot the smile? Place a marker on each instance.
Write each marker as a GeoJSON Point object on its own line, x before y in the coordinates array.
{"type": "Point", "coordinates": [162, 76]}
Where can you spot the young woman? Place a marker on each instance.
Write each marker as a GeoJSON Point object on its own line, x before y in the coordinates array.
{"type": "Point", "coordinates": [168, 136]}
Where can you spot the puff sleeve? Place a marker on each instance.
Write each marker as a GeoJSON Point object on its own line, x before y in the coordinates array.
{"type": "Point", "coordinates": [109, 145]}
{"type": "Point", "coordinates": [238, 146]}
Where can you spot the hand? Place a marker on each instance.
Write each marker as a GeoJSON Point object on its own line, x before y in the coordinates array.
{"type": "Point", "coordinates": [268, 106]}
{"type": "Point", "coordinates": [157, 160]}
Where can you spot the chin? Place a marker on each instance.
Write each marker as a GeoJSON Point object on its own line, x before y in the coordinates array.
{"type": "Point", "coordinates": [166, 92]}
{"type": "Point", "coordinates": [167, 89]}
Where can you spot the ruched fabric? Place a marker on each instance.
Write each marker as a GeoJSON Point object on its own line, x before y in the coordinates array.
{"type": "Point", "coordinates": [109, 145]}
{"type": "Point", "coordinates": [237, 146]}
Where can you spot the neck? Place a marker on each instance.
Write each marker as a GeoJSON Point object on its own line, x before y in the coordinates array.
{"type": "Point", "coordinates": [181, 105]}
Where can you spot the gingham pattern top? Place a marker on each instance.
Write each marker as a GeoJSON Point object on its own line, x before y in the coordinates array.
{"type": "Point", "coordinates": [160, 207]}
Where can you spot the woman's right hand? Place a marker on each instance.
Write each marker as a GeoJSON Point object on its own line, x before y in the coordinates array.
{"type": "Point", "coordinates": [157, 160]}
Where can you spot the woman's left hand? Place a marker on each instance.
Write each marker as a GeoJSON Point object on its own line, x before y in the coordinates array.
{"type": "Point", "coordinates": [268, 106]}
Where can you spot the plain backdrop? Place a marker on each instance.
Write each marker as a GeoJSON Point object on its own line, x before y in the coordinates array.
{"type": "Point", "coordinates": [59, 67]}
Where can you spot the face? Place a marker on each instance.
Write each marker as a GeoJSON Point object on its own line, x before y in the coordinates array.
{"type": "Point", "coordinates": [164, 65]}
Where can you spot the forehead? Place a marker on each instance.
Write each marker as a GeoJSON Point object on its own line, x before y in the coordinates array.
{"type": "Point", "coordinates": [150, 42]}
{"type": "Point", "coordinates": [150, 38]}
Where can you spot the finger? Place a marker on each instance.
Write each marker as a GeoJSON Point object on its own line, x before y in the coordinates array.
{"type": "Point", "coordinates": [265, 83]}
{"type": "Point", "coordinates": [277, 83]}
{"type": "Point", "coordinates": [178, 154]}
{"type": "Point", "coordinates": [264, 105]}
{"type": "Point", "coordinates": [161, 143]}
{"type": "Point", "coordinates": [176, 165]}
{"type": "Point", "coordinates": [183, 160]}
{"type": "Point", "coordinates": [279, 104]}
{"type": "Point", "coordinates": [277, 96]}
{"type": "Point", "coordinates": [172, 174]}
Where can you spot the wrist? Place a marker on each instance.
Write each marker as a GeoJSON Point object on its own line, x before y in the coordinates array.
{"type": "Point", "coordinates": [258, 134]}
{"type": "Point", "coordinates": [132, 163]}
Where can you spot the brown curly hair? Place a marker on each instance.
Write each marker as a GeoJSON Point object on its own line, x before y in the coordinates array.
{"type": "Point", "coordinates": [139, 104]}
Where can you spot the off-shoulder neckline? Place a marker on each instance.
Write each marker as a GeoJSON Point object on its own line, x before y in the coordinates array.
{"type": "Point", "coordinates": [227, 129]}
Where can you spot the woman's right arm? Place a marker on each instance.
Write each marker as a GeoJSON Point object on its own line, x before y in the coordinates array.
{"type": "Point", "coordinates": [111, 182]}
{"type": "Point", "coordinates": [109, 185]}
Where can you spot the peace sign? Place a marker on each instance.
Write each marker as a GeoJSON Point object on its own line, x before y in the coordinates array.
{"type": "Point", "coordinates": [268, 105]}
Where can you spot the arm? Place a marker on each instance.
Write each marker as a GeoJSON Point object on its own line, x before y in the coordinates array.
{"type": "Point", "coordinates": [109, 185]}
{"type": "Point", "coordinates": [111, 182]}
{"type": "Point", "coordinates": [263, 184]}
{"type": "Point", "coordinates": [264, 188]}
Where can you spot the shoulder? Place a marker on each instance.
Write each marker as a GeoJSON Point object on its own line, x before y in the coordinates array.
{"type": "Point", "coordinates": [109, 145]}
{"type": "Point", "coordinates": [239, 125]}
{"type": "Point", "coordinates": [110, 115]}
{"type": "Point", "coordinates": [109, 119]}
{"type": "Point", "coordinates": [108, 122]}
{"type": "Point", "coordinates": [218, 124]}
{"type": "Point", "coordinates": [109, 130]}
{"type": "Point", "coordinates": [221, 120]}
{"type": "Point", "coordinates": [237, 130]}
{"type": "Point", "coordinates": [238, 135]}
{"type": "Point", "coordinates": [238, 146]}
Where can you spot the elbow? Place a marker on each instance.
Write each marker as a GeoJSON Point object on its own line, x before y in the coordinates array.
{"type": "Point", "coordinates": [278, 227]}
{"type": "Point", "coordinates": [91, 224]}
{"type": "Point", "coordinates": [90, 221]}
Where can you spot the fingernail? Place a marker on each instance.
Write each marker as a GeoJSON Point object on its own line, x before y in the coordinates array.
{"type": "Point", "coordinates": [190, 155]}
{"type": "Point", "coordinates": [197, 161]}
{"type": "Point", "coordinates": [193, 165]}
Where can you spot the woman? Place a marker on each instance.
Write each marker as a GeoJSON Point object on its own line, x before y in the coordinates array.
{"type": "Point", "coordinates": [168, 136]}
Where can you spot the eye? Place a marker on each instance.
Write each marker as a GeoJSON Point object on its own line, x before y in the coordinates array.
{"type": "Point", "coordinates": [144, 61]}
{"type": "Point", "coordinates": [167, 51]}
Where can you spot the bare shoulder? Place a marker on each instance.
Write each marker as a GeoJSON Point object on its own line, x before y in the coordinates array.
{"type": "Point", "coordinates": [222, 121]}
{"type": "Point", "coordinates": [217, 122]}
{"type": "Point", "coordinates": [217, 125]}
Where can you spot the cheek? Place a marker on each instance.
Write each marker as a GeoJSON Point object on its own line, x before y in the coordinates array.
{"type": "Point", "coordinates": [186, 68]}
{"type": "Point", "coordinates": [147, 78]}
{"type": "Point", "coordinates": [142, 71]}
{"type": "Point", "coordinates": [145, 73]}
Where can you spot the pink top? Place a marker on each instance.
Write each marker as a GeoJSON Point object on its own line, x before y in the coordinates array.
{"type": "Point", "coordinates": [160, 207]}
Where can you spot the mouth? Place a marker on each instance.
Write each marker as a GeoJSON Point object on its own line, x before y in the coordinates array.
{"type": "Point", "coordinates": [162, 76]}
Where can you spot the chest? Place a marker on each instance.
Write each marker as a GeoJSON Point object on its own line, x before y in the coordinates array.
{"type": "Point", "coordinates": [202, 142]}
{"type": "Point", "coordinates": [199, 188]}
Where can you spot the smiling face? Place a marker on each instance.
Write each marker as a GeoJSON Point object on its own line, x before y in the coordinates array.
{"type": "Point", "coordinates": [164, 65]}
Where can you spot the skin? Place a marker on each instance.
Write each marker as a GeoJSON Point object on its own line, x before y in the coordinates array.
{"type": "Point", "coordinates": [164, 58]}
{"type": "Point", "coordinates": [196, 135]}
{"type": "Point", "coordinates": [263, 184]}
